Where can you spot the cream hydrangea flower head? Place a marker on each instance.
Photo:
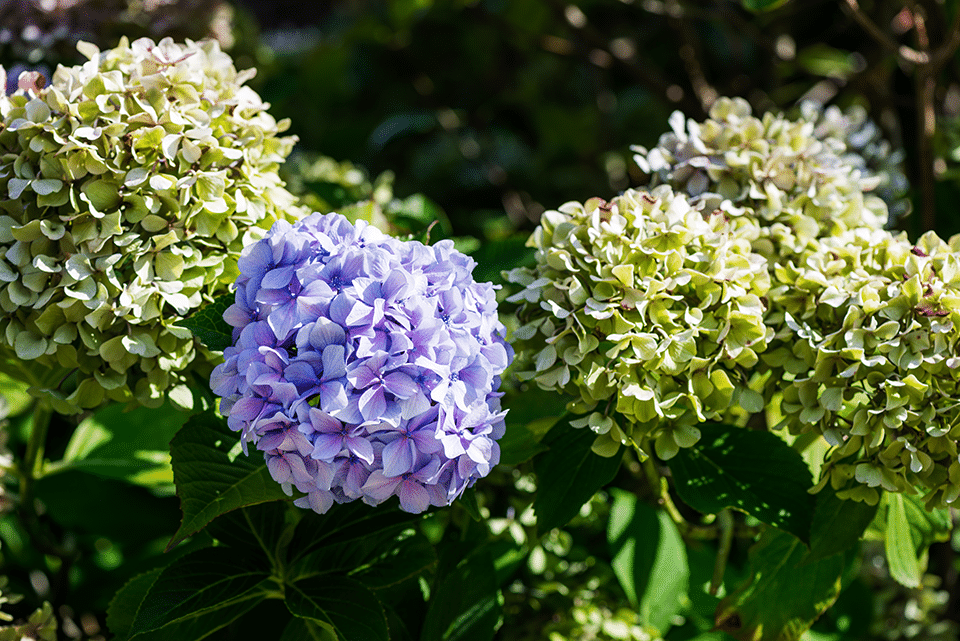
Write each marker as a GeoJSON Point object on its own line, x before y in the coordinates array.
{"type": "Point", "coordinates": [867, 347]}
{"type": "Point", "coordinates": [645, 307]}
{"type": "Point", "coordinates": [129, 186]}
{"type": "Point", "coordinates": [772, 172]}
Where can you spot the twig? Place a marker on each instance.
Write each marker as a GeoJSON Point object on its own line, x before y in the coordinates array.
{"type": "Point", "coordinates": [906, 53]}
{"type": "Point", "coordinates": [725, 520]}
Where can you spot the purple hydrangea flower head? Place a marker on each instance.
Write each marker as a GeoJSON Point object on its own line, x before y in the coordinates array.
{"type": "Point", "coordinates": [364, 366]}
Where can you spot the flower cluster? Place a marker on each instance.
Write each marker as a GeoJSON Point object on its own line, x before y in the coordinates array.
{"type": "Point", "coordinates": [364, 366]}
{"type": "Point", "coordinates": [645, 306]}
{"type": "Point", "coordinates": [770, 172]}
{"type": "Point", "coordinates": [866, 150]}
{"type": "Point", "coordinates": [130, 185]}
{"type": "Point", "coordinates": [869, 330]}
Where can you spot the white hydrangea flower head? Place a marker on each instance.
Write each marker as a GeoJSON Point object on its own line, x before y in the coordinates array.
{"type": "Point", "coordinates": [129, 185]}
{"type": "Point", "coordinates": [772, 172]}
{"type": "Point", "coordinates": [867, 349]}
{"type": "Point", "coordinates": [646, 311]}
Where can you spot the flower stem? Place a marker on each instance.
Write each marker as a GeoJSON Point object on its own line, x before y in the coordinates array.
{"type": "Point", "coordinates": [725, 521]}
{"type": "Point", "coordinates": [661, 486]}
{"type": "Point", "coordinates": [32, 466]}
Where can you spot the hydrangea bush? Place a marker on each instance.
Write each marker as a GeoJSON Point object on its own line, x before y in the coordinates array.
{"type": "Point", "coordinates": [745, 358]}
{"type": "Point", "coordinates": [364, 366]}
{"type": "Point", "coordinates": [767, 281]}
{"type": "Point", "coordinates": [868, 332]}
{"type": "Point", "coordinates": [769, 171]}
{"type": "Point", "coordinates": [643, 308]}
{"type": "Point", "coordinates": [130, 185]}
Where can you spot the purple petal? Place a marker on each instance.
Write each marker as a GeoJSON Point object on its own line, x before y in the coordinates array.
{"type": "Point", "coordinates": [414, 498]}
{"type": "Point", "coordinates": [360, 447]}
{"type": "Point", "coordinates": [400, 385]}
{"type": "Point", "coordinates": [277, 278]}
{"type": "Point", "coordinates": [398, 457]}
{"type": "Point", "coordinates": [378, 486]}
{"type": "Point", "coordinates": [334, 363]}
{"type": "Point", "coordinates": [327, 446]}
{"type": "Point", "coordinates": [373, 404]}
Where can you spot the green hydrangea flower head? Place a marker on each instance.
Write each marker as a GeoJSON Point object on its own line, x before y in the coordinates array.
{"type": "Point", "coordinates": [647, 311]}
{"type": "Point", "coordinates": [128, 187]}
{"type": "Point", "coordinates": [866, 149]}
{"type": "Point", "coordinates": [772, 173]}
{"type": "Point", "coordinates": [868, 331]}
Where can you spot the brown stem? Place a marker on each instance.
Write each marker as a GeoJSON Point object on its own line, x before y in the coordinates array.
{"type": "Point", "coordinates": [904, 52]}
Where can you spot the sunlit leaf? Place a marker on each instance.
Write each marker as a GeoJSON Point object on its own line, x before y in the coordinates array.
{"type": "Point", "coordinates": [783, 595]}
{"type": "Point", "coordinates": [649, 559]}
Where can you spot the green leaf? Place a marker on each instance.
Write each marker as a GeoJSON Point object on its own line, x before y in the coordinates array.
{"type": "Point", "coordinates": [200, 593]}
{"type": "Point", "coordinates": [210, 482]}
{"type": "Point", "coordinates": [837, 524]}
{"type": "Point", "coordinates": [131, 446]}
{"type": "Point", "coordinates": [568, 474]}
{"type": "Point", "coordinates": [409, 557]}
{"type": "Point", "coordinates": [907, 529]}
{"type": "Point", "coordinates": [263, 529]}
{"type": "Point", "coordinates": [305, 630]}
{"type": "Point", "coordinates": [528, 411]}
{"type": "Point", "coordinates": [899, 544]}
{"type": "Point", "coordinates": [346, 536]}
{"type": "Point", "coordinates": [208, 326]}
{"type": "Point", "coordinates": [346, 605]}
{"type": "Point", "coordinates": [783, 594]}
{"type": "Point", "coordinates": [468, 501]}
{"type": "Point", "coordinates": [649, 559]}
{"type": "Point", "coordinates": [755, 472]}
{"type": "Point", "coordinates": [464, 604]}
{"type": "Point", "coordinates": [762, 5]}
{"type": "Point", "coordinates": [87, 503]}
{"type": "Point", "coordinates": [126, 602]}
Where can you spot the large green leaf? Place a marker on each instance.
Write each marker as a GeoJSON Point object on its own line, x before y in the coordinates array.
{"type": "Point", "coordinates": [208, 326]}
{"type": "Point", "coordinates": [784, 594]}
{"type": "Point", "coordinates": [200, 593]}
{"type": "Point", "coordinates": [837, 524]}
{"type": "Point", "coordinates": [264, 529]}
{"type": "Point", "coordinates": [464, 603]}
{"type": "Point", "coordinates": [345, 537]}
{"type": "Point", "coordinates": [132, 446]}
{"type": "Point", "coordinates": [126, 602]}
{"type": "Point", "coordinates": [755, 472]}
{"type": "Point", "coordinates": [568, 474]}
{"type": "Point", "coordinates": [90, 504]}
{"type": "Point", "coordinates": [409, 557]}
{"type": "Point", "coordinates": [649, 559]}
{"type": "Point", "coordinates": [346, 605]}
{"type": "Point", "coordinates": [210, 481]}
